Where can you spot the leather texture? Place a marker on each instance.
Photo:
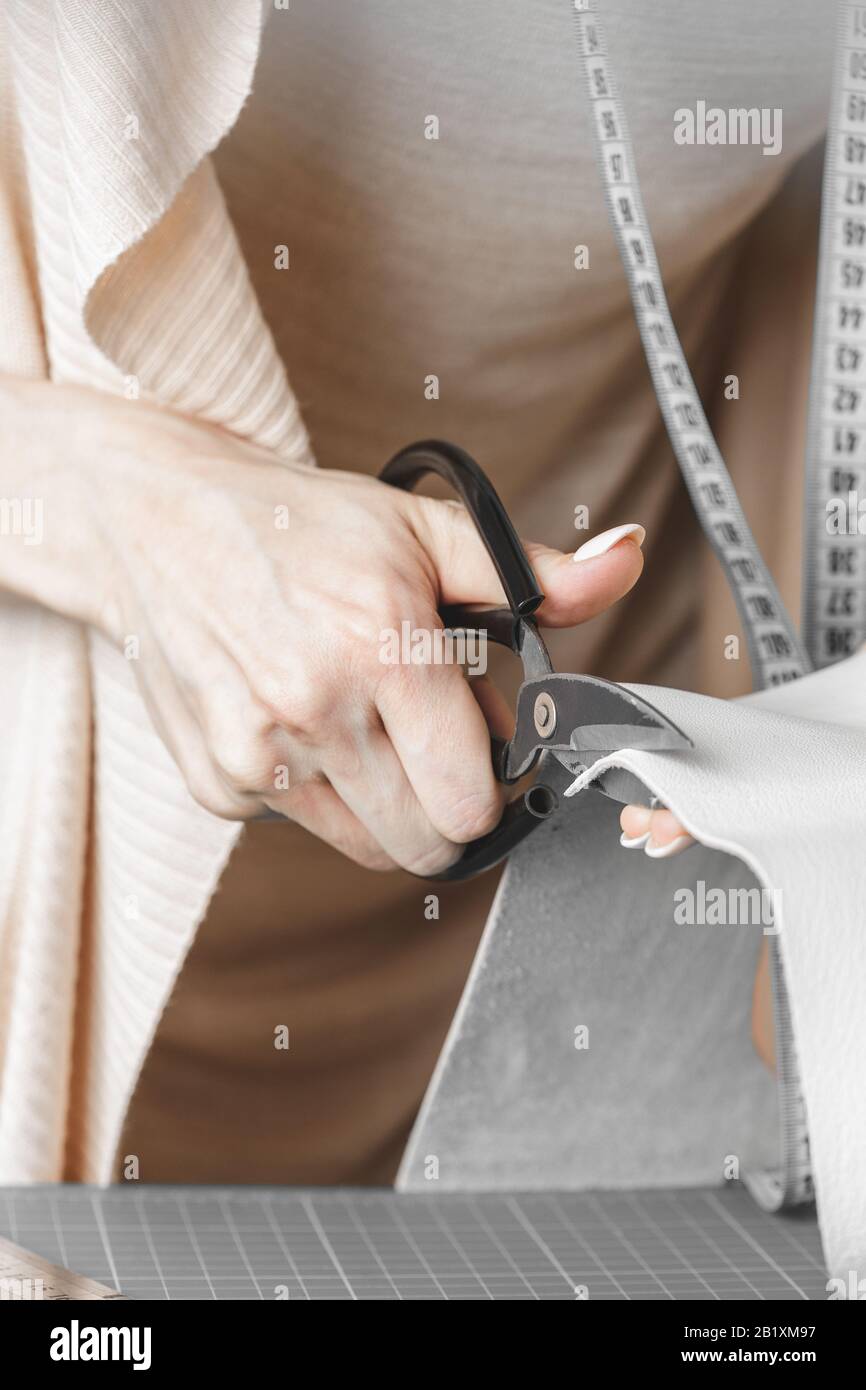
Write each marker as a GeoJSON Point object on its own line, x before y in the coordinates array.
{"type": "Point", "coordinates": [583, 933]}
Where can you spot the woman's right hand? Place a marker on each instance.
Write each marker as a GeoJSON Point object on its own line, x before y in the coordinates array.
{"type": "Point", "coordinates": [251, 597]}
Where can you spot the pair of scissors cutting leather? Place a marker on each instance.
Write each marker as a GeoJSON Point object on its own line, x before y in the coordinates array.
{"type": "Point", "coordinates": [563, 723]}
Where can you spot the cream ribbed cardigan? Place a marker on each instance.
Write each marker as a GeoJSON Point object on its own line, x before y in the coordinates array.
{"type": "Point", "coordinates": [118, 266]}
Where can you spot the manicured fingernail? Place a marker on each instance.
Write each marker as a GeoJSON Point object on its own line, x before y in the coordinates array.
{"type": "Point", "coordinates": [654, 851]}
{"type": "Point", "coordinates": [633, 841]}
{"type": "Point", "coordinates": [600, 545]}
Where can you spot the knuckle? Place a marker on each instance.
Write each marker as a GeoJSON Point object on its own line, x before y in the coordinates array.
{"type": "Point", "coordinates": [383, 597]}
{"type": "Point", "coordinates": [344, 759]}
{"type": "Point", "coordinates": [398, 689]}
{"type": "Point", "coordinates": [243, 748]}
{"type": "Point", "coordinates": [472, 815]}
{"type": "Point", "coordinates": [245, 764]}
{"type": "Point", "coordinates": [207, 792]}
{"type": "Point", "coordinates": [300, 705]}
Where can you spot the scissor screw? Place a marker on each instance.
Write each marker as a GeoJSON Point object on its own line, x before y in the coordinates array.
{"type": "Point", "coordinates": [544, 715]}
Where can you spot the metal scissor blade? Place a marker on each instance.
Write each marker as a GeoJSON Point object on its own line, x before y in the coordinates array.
{"type": "Point", "coordinates": [598, 739]}
{"type": "Point", "coordinates": [583, 718]}
{"type": "Point", "coordinates": [589, 742]}
{"type": "Point", "coordinates": [607, 717]}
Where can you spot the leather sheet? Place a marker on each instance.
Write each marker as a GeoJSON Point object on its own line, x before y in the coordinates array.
{"type": "Point", "coordinates": [663, 1087]}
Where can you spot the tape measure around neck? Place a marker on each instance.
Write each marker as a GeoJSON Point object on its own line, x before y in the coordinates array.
{"type": "Point", "coordinates": [775, 650]}
{"type": "Point", "coordinates": [834, 572]}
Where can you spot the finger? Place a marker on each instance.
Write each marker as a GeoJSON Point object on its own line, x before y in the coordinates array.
{"type": "Point", "coordinates": [497, 712]}
{"type": "Point", "coordinates": [317, 807]}
{"type": "Point", "coordinates": [656, 831]}
{"type": "Point", "coordinates": [443, 744]}
{"type": "Point", "coordinates": [251, 751]}
{"type": "Point", "coordinates": [576, 587]}
{"type": "Point", "coordinates": [382, 798]}
{"type": "Point", "coordinates": [176, 721]}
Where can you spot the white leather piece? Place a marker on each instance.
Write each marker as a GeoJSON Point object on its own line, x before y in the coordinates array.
{"type": "Point", "coordinates": [583, 933]}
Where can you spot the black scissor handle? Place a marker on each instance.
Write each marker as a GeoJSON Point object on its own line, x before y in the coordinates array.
{"type": "Point", "coordinates": [483, 504]}
{"type": "Point", "coordinates": [510, 627]}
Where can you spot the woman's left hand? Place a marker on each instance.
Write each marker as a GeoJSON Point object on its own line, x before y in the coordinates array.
{"type": "Point", "coordinates": [654, 830]}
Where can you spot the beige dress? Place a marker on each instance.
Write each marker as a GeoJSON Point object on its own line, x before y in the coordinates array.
{"type": "Point", "coordinates": [453, 257]}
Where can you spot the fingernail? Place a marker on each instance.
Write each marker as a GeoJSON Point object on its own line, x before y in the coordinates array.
{"type": "Point", "coordinates": [654, 851]}
{"type": "Point", "coordinates": [601, 544]}
{"type": "Point", "coordinates": [633, 841]}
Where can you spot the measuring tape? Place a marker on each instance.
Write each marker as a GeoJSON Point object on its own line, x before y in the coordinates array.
{"type": "Point", "coordinates": [25, 1277]}
{"type": "Point", "coordinates": [835, 570]}
{"type": "Point", "coordinates": [834, 574]}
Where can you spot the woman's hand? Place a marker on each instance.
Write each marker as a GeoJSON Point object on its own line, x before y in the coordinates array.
{"type": "Point", "coordinates": [252, 598]}
{"type": "Point", "coordinates": [654, 830]}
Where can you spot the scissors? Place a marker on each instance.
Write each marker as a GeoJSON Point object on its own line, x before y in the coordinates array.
{"type": "Point", "coordinates": [563, 723]}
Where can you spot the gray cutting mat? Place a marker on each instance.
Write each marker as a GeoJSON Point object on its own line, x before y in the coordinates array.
{"type": "Point", "coordinates": [264, 1243]}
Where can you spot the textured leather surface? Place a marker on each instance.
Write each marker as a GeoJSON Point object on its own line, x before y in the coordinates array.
{"type": "Point", "coordinates": [583, 932]}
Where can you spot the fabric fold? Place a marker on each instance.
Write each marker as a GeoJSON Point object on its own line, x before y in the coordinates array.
{"type": "Point", "coordinates": [139, 288]}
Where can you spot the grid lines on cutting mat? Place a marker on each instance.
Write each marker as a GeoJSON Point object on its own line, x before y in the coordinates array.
{"type": "Point", "coordinates": [156, 1242]}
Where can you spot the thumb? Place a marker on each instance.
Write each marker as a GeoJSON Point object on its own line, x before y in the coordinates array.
{"type": "Point", "coordinates": [576, 586]}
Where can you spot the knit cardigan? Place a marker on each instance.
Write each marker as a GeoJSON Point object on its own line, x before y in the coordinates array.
{"type": "Point", "coordinates": [119, 269]}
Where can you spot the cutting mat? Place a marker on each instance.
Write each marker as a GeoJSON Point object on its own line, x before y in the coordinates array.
{"type": "Point", "coordinates": [155, 1242]}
